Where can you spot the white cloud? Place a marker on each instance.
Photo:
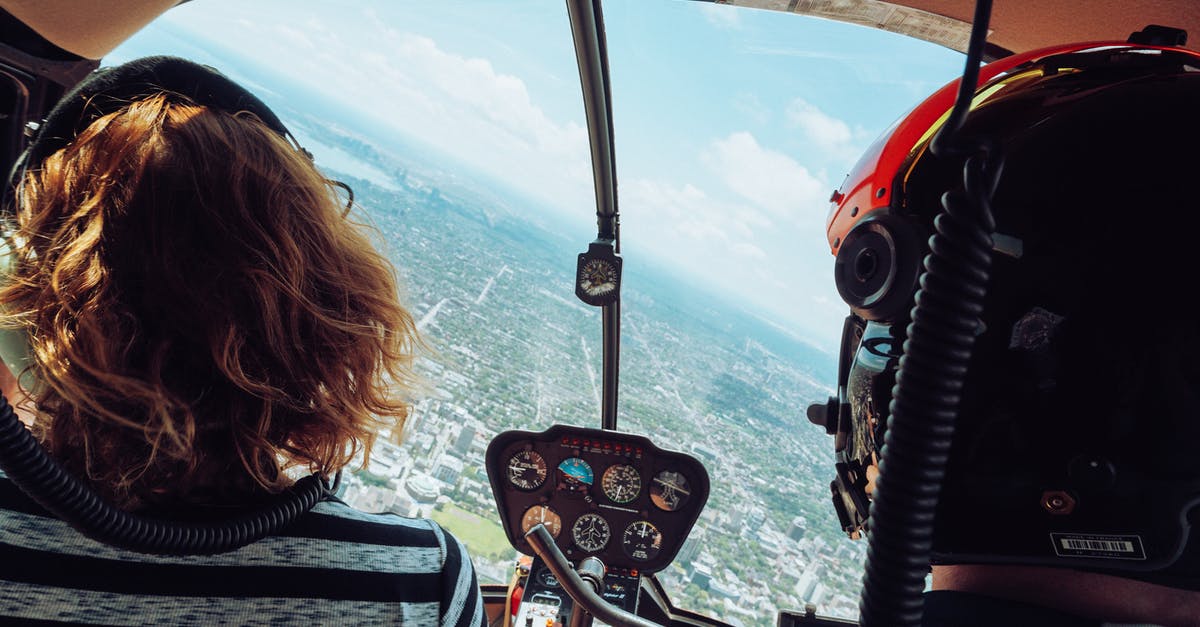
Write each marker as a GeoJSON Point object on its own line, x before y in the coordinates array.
{"type": "Point", "coordinates": [769, 179]}
{"type": "Point", "coordinates": [676, 220]}
{"type": "Point", "coordinates": [750, 106]}
{"type": "Point", "coordinates": [721, 16]}
{"type": "Point", "coordinates": [460, 104]}
{"type": "Point", "coordinates": [294, 37]}
{"type": "Point", "coordinates": [746, 249]}
{"type": "Point", "coordinates": [832, 137]}
{"type": "Point", "coordinates": [486, 117]}
{"type": "Point", "coordinates": [735, 247]}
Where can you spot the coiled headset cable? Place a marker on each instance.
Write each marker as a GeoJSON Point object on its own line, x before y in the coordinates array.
{"type": "Point", "coordinates": [40, 476]}
{"type": "Point", "coordinates": [925, 399]}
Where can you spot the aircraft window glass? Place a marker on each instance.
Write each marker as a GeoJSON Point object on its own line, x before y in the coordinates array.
{"type": "Point", "coordinates": [460, 127]}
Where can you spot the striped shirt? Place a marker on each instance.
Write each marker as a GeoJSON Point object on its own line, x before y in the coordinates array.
{"type": "Point", "coordinates": [334, 566]}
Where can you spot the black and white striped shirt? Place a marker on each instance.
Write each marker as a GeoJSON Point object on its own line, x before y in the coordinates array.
{"type": "Point", "coordinates": [335, 566]}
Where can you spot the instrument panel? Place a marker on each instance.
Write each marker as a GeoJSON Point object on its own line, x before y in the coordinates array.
{"type": "Point", "coordinates": [600, 493]}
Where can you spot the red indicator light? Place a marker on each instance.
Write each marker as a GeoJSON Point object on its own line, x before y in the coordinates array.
{"type": "Point", "coordinates": [587, 442]}
{"type": "Point", "coordinates": [607, 445]}
{"type": "Point", "coordinates": [633, 573]}
{"type": "Point", "coordinates": [566, 440]}
{"type": "Point", "coordinates": [639, 451]}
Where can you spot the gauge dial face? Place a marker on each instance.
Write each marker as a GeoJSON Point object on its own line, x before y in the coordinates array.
{"type": "Point", "coordinates": [591, 532]}
{"type": "Point", "coordinates": [575, 475]}
{"type": "Point", "coordinates": [527, 470]}
{"type": "Point", "coordinates": [669, 490]}
{"type": "Point", "coordinates": [598, 277]}
{"type": "Point", "coordinates": [642, 541]}
{"type": "Point", "coordinates": [621, 483]}
{"type": "Point", "coordinates": [541, 514]}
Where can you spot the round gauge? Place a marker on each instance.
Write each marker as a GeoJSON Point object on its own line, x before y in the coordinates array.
{"type": "Point", "coordinates": [598, 277]}
{"type": "Point", "coordinates": [547, 578]}
{"type": "Point", "coordinates": [669, 490]}
{"type": "Point", "coordinates": [527, 470]}
{"type": "Point", "coordinates": [621, 483]}
{"type": "Point", "coordinates": [591, 532]}
{"type": "Point", "coordinates": [642, 541]}
{"type": "Point", "coordinates": [541, 514]}
{"type": "Point", "coordinates": [575, 475]}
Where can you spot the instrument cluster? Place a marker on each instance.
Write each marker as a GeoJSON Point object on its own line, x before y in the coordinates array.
{"type": "Point", "coordinates": [609, 494]}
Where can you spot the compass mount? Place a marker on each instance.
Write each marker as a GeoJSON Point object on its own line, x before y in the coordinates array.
{"type": "Point", "coordinates": [598, 274]}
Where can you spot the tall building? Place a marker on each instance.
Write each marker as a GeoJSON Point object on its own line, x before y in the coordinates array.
{"type": "Point", "coordinates": [448, 469]}
{"type": "Point", "coordinates": [806, 588]}
{"type": "Point", "coordinates": [756, 516]}
{"type": "Point", "coordinates": [799, 526]}
{"type": "Point", "coordinates": [466, 436]}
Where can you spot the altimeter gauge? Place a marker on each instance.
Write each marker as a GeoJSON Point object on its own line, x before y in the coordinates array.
{"type": "Point", "coordinates": [642, 541]}
{"type": "Point", "coordinates": [575, 475]}
{"type": "Point", "coordinates": [544, 515]}
{"type": "Point", "coordinates": [669, 490]}
{"type": "Point", "coordinates": [598, 275]}
{"type": "Point", "coordinates": [526, 470]}
{"type": "Point", "coordinates": [591, 532]}
{"type": "Point", "coordinates": [621, 483]}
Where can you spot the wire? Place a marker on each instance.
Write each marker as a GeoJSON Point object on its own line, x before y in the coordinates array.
{"type": "Point", "coordinates": [944, 142]}
{"type": "Point", "coordinates": [32, 469]}
{"type": "Point", "coordinates": [932, 370]}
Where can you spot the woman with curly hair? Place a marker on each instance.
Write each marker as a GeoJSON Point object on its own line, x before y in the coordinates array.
{"type": "Point", "coordinates": [200, 318]}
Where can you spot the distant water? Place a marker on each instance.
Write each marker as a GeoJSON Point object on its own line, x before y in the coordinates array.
{"type": "Point", "coordinates": [338, 160]}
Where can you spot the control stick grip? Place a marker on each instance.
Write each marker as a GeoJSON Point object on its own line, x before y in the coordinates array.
{"type": "Point", "coordinates": [584, 595]}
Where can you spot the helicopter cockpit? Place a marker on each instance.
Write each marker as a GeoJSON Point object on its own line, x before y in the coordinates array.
{"type": "Point", "coordinates": [641, 521]}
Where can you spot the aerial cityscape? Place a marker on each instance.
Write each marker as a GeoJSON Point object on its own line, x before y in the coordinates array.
{"type": "Point", "coordinates": [512, 348]}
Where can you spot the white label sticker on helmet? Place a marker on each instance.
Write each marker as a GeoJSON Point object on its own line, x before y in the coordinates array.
{"type": "Point", "coordinates": [1098, 546]}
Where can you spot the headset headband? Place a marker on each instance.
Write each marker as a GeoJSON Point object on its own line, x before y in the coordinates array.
{"type": "Point", "coordinates": [110, 89]}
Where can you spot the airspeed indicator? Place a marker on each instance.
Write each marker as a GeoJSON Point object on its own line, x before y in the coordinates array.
{"type": "Point", "coordinates": [621, 483]}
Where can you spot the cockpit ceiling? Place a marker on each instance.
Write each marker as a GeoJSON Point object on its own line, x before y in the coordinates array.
{"type": "Point", "coordinates": [1016, 25]}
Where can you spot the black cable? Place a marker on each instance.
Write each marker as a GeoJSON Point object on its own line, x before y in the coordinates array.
{"type": "Point", "coordinates": [32, 469]}
{"type": "Point", "coordinates": [929, 381]}
{"type": "Point", "coordinates": [945, 141]}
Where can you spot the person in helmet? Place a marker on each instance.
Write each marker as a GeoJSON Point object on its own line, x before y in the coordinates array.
{"type": "Point", "coordinates": [1073, 475]}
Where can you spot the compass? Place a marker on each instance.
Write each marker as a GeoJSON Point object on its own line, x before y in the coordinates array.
{"type": "Point", "coordinates": [598, 275]}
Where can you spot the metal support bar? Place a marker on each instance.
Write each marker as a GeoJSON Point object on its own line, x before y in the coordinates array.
{"type": "Point", "coordinates": [591, 54]}
{"type": "Point", "coordinates": [587, 29]}
{"type": "Point", "coordinates": [611, 320]}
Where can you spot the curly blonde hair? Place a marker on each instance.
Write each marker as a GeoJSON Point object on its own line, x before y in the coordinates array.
{"type": "Point", "coordinates": [201, 316]}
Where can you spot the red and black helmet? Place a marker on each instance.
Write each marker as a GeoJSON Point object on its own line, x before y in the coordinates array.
{"type": "Point", "coordinates": [1076, 439]}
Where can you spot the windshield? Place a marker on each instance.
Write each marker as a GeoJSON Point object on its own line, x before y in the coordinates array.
{"type": "Point", "coordinates": [460, 127]}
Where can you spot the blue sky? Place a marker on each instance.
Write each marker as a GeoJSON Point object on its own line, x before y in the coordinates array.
{"type": "Point", "coordinates": [732, 125]}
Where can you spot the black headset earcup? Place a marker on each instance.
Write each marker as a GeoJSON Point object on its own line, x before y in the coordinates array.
{"type": "Point", "coordinates": [878, 265]}
{"type": "Point", "coordinates": [109, 89]}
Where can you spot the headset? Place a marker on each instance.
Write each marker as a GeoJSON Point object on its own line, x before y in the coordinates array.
{"type": "Point", "coordinates": [22, 458]}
